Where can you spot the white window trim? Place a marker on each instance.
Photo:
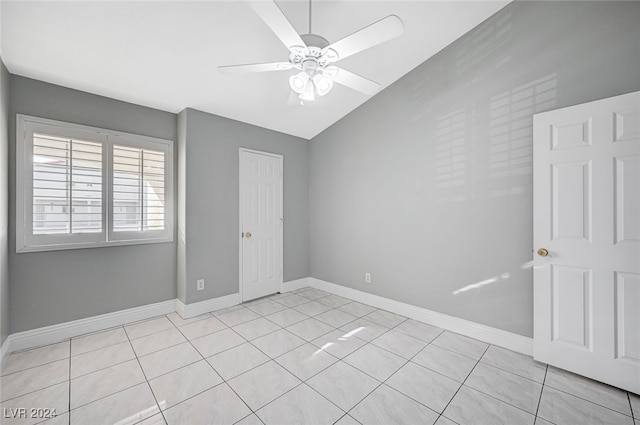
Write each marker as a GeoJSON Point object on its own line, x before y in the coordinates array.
{"type": "Point", "coordinates": [27, 242]}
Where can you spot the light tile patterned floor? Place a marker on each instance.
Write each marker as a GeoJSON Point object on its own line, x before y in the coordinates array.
{"type": "Point", "coordinates": [306, 357]}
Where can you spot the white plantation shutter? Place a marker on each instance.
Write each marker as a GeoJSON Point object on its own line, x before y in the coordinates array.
{"type": "Point", "coordinates": [140, 185]}
{"type": "Point", "coordinates": [138, 189]}
{"type": "Point", "coordinates": [80, 186]}
{"type": "Point", "coordinates": [67, 185]}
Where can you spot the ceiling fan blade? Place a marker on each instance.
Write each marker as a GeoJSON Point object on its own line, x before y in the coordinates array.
{"type": "Point", "coordinates": [275, 19]}
{"type": "Point", "coordinates": [376, 33]}
{"type": "Point", "coordinates": [255, 67]}
{"type": "Point", "coordinates": [356, 82]}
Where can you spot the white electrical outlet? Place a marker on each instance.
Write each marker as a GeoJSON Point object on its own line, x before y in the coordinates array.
{"type": "Point", "coordinates": [367, 278]}
{"type": "Point", "coordinates": [200, 286]}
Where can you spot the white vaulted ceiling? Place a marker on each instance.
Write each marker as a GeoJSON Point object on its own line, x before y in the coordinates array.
{"type": "Point", "coordinates": [164, 54]}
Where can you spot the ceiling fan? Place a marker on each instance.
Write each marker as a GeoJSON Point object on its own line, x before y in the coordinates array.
{"type": "Point", "coordinates": [312, 55]}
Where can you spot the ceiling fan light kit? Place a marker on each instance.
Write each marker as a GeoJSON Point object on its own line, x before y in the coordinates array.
{"type": "Point", "coordinates": [312, 55]}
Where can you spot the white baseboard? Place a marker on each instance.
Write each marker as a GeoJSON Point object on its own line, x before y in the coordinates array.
{"type": "Point", "coordinates": [292, 285]}
{"type": "Point", "coordinates": [62, 331]}
{"type": "Point", "coordinates": [59, 332]}
{"type": "Point", "coordinates": [4, 349]}
{"type": "Point", "coordinates": [187, 311]}
{"type": "Point", "coordinates": [491, 335]}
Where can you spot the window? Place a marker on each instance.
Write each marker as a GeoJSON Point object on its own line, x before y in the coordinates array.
{"type": "Point", "coordinates": [81, 186]}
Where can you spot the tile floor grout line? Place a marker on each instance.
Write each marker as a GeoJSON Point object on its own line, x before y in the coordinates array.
{"type": "Point", "coordinates": [291, 324]}
{"type": "Point", "coordinates": [103, 368]}
{"type": "Point", "coordinates": [497, 398]}
{"type": "Point", "coordinates": [99, 331]}
{"type": "Point", "coordinates": [224, 381]}
{"type": "Point", "coordinates": [31, 392]}
{"type": "Point", "coordinates": [158, 350]}
{"type": "Point", "coordinates": [308, 385]}
{"type": "Point", "coordinates": [546, 369]}
{"type": "Point", "coordinates": [33, 367]}
{"type": "Point", "coordinates": [25, 350]}
{"type": "Point", "coordinates": [195, 395]}
{"type": "Point", "coordinates": [505, 370]}
{"type": "Point", "coordinates": [280, 396]}
{"type": "Point", "coordinates": [412, 357]}
{"type": "Point", "coordinates": [235, 376]}
{"type": "Point", "coordinates": [173, 370]}
{"type": "Point", "coordinates": [189, 321]}
{"type": "Point", "coordinates": [426, 367]}
{"type": "Point", "coordinates": [69, 400]}
{"type": "Point", "coordinates": [384, 382]}
{"type": "Point", "coordinates": [342, 417]}
{"type": "Point", "coordinates": [465, 380]}
{"type": "Point", "coordinates": [381, 382]}
{"type": "Point", "coordinates": [268, 356]}
{"type": "Point", "coordinates": [322, 370]}
{"type": "Point", "coordinates": [301, 381]}
{"type": "Point", "coordinates": [287, 352]}
{"type": "Point", "coordinates": [147, 381]}
{"type": "Point", "coordinates": [544, 384]}
{"type": "Point", "coordinates": [589, 401]}
{"type": "Point", "coordinates": [147, 320]}
{"type": "Point", "coordinates": [114, 393]}
{"type": "Point", "coordinates": [226, 349]}
{"type": "Point", "coordinates": [460, 354]}
{"type": "Point", "coordinates": [502, 401]}
{"type": "Point", "coordinates": [250, 414]}
{"type": "Point", "coordinates": [512, 373]}
{"type": "Point", "coordinates": [199, 321]}
{"type": "Point", "coordinates": [101, 348]}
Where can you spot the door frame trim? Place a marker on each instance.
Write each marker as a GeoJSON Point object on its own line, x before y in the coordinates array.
{"type": "Point", "coordinates": [280, 157]}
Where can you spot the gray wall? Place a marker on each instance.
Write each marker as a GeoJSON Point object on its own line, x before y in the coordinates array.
{"type": "Point", "coordinates": [58, 286]}
{"type": "Point", "coordinates": [4, 203]}
{"type": "Point", "coordinates": [428, 185]}
{"type": "Point", "coordinates": [181, 263]}
{"type": "Point", "coordinates": [210, 185]}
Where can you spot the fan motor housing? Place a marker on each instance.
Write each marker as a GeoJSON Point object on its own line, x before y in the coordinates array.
{"type": "Point", "coordinates": [309, 58]}
{"type": "Point", "coordinates": [314, 40]}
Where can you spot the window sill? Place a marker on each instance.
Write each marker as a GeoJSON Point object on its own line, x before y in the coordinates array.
{"type": "Point", "coordinates": [63, 247]}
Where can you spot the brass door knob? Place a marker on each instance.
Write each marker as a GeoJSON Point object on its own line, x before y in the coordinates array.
{"type": "Point", "coordinates": [247, 235]}
{"type": "Point", "coordinates": [543, 252]}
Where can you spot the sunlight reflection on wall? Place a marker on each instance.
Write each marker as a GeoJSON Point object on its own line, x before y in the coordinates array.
{"type": "Point", "coordinates": [455, 159]}
{"type": "Point", "coordinates": [461, 146]}
{"type": "Point", "coordinates": [511, 143]}
{"type": "Point", "coordinates": [495, 279]}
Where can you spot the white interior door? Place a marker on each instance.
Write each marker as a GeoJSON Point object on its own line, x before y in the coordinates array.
{"type": "Point", "coordinates": [260, 223]}
{"type": "Point", "coordinates": [587, 217]}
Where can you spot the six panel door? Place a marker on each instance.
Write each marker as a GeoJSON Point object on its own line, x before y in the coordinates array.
{"type": "Point", "coordinates": [587, 217]}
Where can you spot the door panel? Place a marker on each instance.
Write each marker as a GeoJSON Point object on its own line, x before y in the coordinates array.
{"type": "Point", "coordinates": [261, 223]}
{"type": "Point", "coordinates": [628, 316]}
{"type": "Point", "coordinates": [627, 125]}
{"type": "Point", "coordinates": [627, 201]}
{"type": "Point", "coordinates": [571, 134]}
{"type": "Point", "coordinates": [571, 200]}
{"type": "Point", "coordinates": [571, 301]}
{"type": "Point", "coordinates": [587, 217]}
